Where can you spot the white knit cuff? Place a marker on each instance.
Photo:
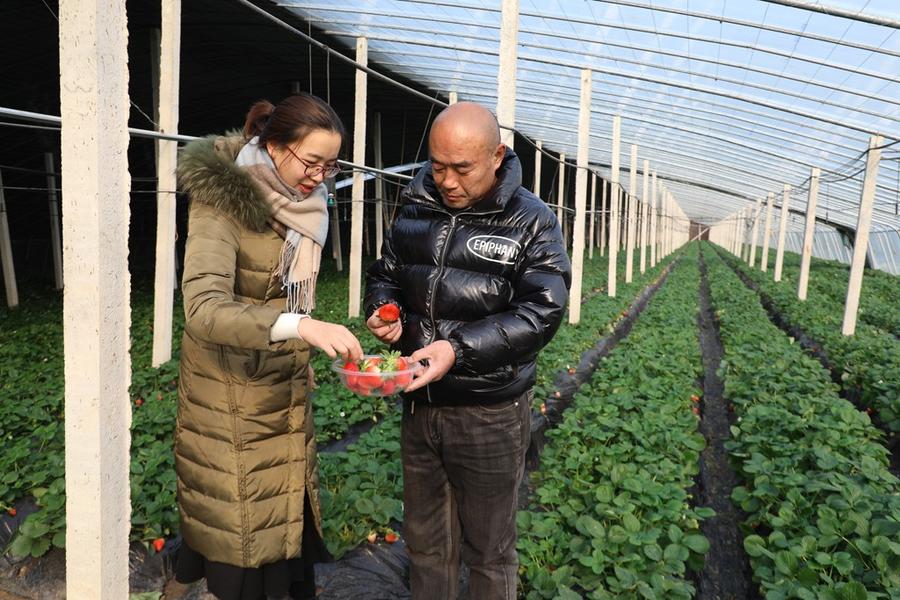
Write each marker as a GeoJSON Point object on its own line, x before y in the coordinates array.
{"type": "Point", "coordinates": [285, 327]}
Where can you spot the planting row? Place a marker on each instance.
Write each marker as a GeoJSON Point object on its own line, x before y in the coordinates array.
{"type": "Point", "coordinates": [869, 360]}
{"type": "Point", "coordinates": [611, 516]}
{"type": "Point", "coordinates": [823, 510]}
{"type": "Point", "coordinates": [878, 300]}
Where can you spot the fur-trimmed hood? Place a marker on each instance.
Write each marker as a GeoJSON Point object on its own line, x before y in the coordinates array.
{"type": "Point", "coordinates": [206, 171]}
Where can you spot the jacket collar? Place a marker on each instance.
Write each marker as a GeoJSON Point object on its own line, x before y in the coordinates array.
{"type": "Point", "coordinates": [509, 178]}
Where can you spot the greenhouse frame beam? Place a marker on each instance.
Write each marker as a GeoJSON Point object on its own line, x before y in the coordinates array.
{"type": "Point", "coordinates": [682, 12]}
{"type": "Point", "coordinates": [775, 117]}
{"type": "Point", "coordinates": [607, 24]}
{"type": "Point", "coordinates": [368, 28]}
{"type": "Point", "coordinates": [834, 11]}
{"type": "Point", "coordinates": [598, 69]}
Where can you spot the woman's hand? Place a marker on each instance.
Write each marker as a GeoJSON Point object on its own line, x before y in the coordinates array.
{"type": "Point", "coordinates": [332, 338]}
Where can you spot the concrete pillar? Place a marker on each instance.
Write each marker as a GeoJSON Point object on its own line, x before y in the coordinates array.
{"type": "Point", "coordinates": [603, 211]}
{"type": "Point", "coordinates": [379, 186]}
{"type": "Point", "coordinates": [754, 235]}
{"type": "Point", "coordinates": [809, 233]}
{"type": "Point", "coordinates": [453, 98]}
{"type": "Point", "coordinates": [53, 204]}
{"type": "Point", "coordinates": [861, 246]}
{"type": "Point", "coordinates": [6, 257]}
{"type": "Point", "coordinates": [93, 56]}
{"type": "Point", "coordinates": [632, 224]}
{"type": "Point", "coordinates": [767, 233]}
{"type": "Point", "coordinates": [644, 197]}
{"type": "Point", "coordinates": [506, 77]}
{"type": "Point", "coordinates": [593, 216]}
{"type": "Point", "coordinates": [358, 192]}
{"type": "Point", "coordinates": [653, 219]}
{"type": "Point", "coordinates": [581, 181]}
{"type": "Point", "coordinates": [164, 282]}
{"type": "Point", "coordinates": [614, 204]}
{"type": "Point", "coordinates": [538, 160]}
{"type": "Point", "coordinates": [561, 189]}
{"type": "Point", "coordinates": [782, 230]}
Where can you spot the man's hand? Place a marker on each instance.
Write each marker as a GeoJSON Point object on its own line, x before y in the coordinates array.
{"type": "Point", "coordinates": [384, 331]}
{"type": "Point", "coordinates": [441, 358]}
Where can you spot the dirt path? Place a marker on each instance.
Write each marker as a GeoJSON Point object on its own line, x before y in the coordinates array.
{"type": "Point", "coordinates": [726, 571]}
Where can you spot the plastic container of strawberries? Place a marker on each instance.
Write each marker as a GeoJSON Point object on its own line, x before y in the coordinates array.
{"type": "Point", "coordinates": [371, 376]}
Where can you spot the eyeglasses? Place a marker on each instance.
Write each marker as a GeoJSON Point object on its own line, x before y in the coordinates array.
{"type": "Point", "coordinates": [312, 170]}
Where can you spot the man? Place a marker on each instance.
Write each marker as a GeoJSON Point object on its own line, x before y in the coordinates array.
{"type": "Point", "coordinates": [478, 267]}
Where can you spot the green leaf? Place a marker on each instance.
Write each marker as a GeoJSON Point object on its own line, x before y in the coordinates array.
{"type": "Point", "coordinates": [631, 523]}
{"type": "Point", "coordinates": [754, 545]}
{"type": "Point", "coordinates": [653, 552]}
{"type": "Point", "coordinates": [364, 506]}
{"type": "Point", "coordinates": [21, 546]}
{"type": "Point", "coordinates": [697, 543]}
{"type": "Point", "coordinates": [853, 591]}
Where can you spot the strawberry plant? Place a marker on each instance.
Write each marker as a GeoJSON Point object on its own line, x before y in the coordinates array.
{"type": "Point", "coordinates": [823, 508]}
{"type": "Point", "coordinates": [868, 361]}
{"type": "Point", "coordinates": [611, 516]}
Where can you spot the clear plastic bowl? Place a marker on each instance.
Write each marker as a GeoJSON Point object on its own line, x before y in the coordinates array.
{"type": "Point", "coordinates": [375, 384]}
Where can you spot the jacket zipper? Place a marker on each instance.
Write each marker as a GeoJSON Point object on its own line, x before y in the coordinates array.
{"type": "Point", "coordinates": [434, 289]}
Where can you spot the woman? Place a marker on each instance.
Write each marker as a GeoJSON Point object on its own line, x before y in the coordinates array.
{"type": "Point", "coordinates": [244, 445]}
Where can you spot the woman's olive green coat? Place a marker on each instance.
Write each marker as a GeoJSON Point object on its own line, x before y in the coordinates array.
{"type": "Point", "coordinates": [245, 447]}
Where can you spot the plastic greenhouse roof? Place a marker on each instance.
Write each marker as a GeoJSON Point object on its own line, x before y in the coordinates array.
{"type": "Point", "coordinates": [727, 99]}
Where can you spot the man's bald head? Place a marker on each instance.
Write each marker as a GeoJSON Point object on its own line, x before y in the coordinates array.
{"type": "Point", "coordinates": [465, 153]}
{"type": "Point", "coordinates": [469, 120]}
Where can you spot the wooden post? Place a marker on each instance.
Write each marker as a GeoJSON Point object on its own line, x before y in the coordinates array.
{"type": "Point", "coordinates": [644, 197]}
{"type": "Point", "coordinates": [782, 231]}
{"type": "Point", "coordinates": [614, 204]}
{"type": "Point", "coordinates": [767, 233]}
{"type": "Point", "coordinates": [379, 186]}
{"type": "Point", "coordinates": [809, 233]}
{"type": "Point", "coordinates": [164, 282]}
{"type": "Point", "coordinates": [603, 209]}
{"type": "Point", "coordinates": [861, 246]}
{"type": "Point", "coordinates": [632, 199]}
{"type": "Point", "coordinates": [561, 189]}
{"type": "Point", "coordinates": [593, 216]}
{"type": "Point", "coordinates": [6, 257]}
{"type": "Point", "coordinates": [53, 204]}
{"type": "Point", "coordinates": [358, 193]}
{"type": "Point", "coordinates": [334, 211]}
{"type": "Point", "coordinates": [653, 219]}
{"type": "Point", "coordinates": [93, 67]}
{"type": "Point", "coordinates": [754, 236]}
{"type": "Point", "coordinates": [538, 160]}
{"type": "Point", "coordinates": [506, 76]}
{"type": "Point", "coordinates": [581, 177]}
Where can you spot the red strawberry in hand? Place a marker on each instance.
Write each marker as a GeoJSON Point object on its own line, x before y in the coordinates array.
{"type": "Point", "coordinates": [389, 312]}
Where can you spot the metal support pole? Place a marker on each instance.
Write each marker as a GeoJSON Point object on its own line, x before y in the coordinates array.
{"type": "Point", "coordinates": [53, 204]}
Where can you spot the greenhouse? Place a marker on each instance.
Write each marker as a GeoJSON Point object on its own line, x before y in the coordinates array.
{"type": "Point", "coordinates": [249, 355]}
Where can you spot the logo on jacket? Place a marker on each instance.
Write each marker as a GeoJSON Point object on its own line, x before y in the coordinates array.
{"type": "Point", "coordinates": [494, 248]}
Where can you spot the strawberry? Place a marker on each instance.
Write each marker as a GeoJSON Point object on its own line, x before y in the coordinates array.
{"type": "Point", "coordinates": [139, 401]}
{"type": "Point", "coordinates": [389, 313]}
{"type": "Point", "coordinates": [352, 380]}
{"type": "Point", "coordinates": [388, 387]}
{"type": "Point", "coordinates": [372, 537]}
{"type": "Point", "coordinates": [158, 544]}
{"type": "Point", "coordinates": [695, 410]}
{"type": "Point", "coordinates": [695, 398]}
{"type": "Point", "coordinates": [391, 537]}
{"type": "Point", "coordinates": [11, 512]}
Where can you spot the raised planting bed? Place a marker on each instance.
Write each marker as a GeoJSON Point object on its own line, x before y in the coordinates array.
{"type": "Point", "coordinates": [611, 513]}
{"type": "Point", "coordinates": [823, 510]}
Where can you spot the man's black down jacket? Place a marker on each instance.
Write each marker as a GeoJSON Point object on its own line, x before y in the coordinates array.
{"type": "Point", "coordinates": [492, 279]}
